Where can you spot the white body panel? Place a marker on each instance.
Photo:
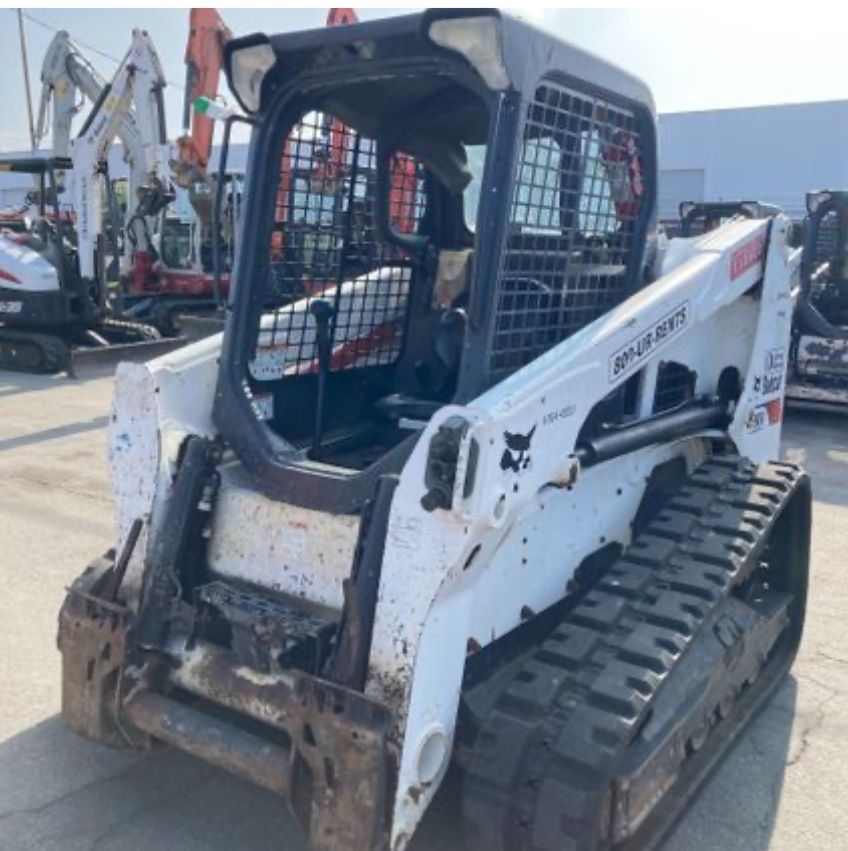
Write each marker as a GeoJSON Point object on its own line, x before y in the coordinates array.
{"type": "Point", "coordinates": [516, 539]}
{"type": "Point", "coordinates": [25, 270]}
{"type": "Point", "coordinates": [303, 552]}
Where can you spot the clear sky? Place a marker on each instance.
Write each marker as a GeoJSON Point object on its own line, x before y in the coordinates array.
{"type": "Point", "coordinates": [706, 58]}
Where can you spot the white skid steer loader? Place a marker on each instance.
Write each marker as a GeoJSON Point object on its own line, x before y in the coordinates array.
{"type": "Point", "coordinates": [493, 497]}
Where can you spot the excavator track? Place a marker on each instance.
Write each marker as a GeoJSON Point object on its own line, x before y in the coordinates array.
{"type": "Point", "coordinates": [24, 351]}
{"type": "Point", "coordinates": [130, 328]}
{"type": "Point", "coordinates": [608, 727]}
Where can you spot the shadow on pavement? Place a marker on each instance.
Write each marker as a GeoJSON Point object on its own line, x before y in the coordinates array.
{"type": "Point", "coordinates": [819, 441]}
{"type": "Point", "coordinates": [54, 433]}
{"type": "Point", "coordinates": [15, 383]}
{"type": "Point", "coordinates": [58, 791]}
{"type": "Point", "coordinates": [737, 808]}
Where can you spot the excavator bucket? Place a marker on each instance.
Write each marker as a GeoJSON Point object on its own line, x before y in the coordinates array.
{"type": "Point", "coordinates": [102, 360]}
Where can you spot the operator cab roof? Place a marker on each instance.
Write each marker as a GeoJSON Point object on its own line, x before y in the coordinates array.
{"type": "Point", "coordinates": [505, 53]}
{"type": "Point", "coordinates": [34, 164]}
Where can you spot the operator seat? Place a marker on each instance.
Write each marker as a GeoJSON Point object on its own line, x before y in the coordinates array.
{"type": "Point", "coordinates": [450, 295]}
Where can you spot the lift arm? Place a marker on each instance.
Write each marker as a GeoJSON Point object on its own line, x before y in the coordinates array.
{"type": "Point", "coordinates": [65, 74]}
{"type": "Point", "coordinates": [139, 81]}
{"type": "Point", "coordinates": [60, 88]}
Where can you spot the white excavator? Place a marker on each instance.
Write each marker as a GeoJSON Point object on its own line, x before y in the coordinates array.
{"type": "Point", "coordinates": [68, 80]}
{"type": "Point", "coordinates": [161, 281]}
{"type": "Point", "coordinates": [53, 282]}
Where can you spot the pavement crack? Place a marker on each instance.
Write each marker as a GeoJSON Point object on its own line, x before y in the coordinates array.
{"type": "Point", "coordinates": [810, 730]}
{"type": "Point", "coordinates": [148, 807]}
{"type": "Point", "coordinates": [72, 793]}
{"type": "Point", "coordinates": [53, 485]}
{"type": "Point", "coordinates": [829, 657]}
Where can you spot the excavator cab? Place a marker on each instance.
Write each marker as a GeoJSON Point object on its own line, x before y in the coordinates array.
{"type": "Point", "coordinates": [43, 200]}
{"type": "Point", "coordinates": [820, 338]}
{"type": "Point", "coordinates": [43, 236]}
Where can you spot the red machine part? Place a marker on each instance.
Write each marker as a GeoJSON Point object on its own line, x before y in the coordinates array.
{"type": "Point", "coordinates": [623, 164]}
{"type": "Point", "coordinates": [8, 276]}
{"type": "Point", "coordinates": [337, 17]}
{"type": "Point", "coordinates": [151, 277]}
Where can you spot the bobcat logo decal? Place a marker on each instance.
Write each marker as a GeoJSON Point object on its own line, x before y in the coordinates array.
{"type": "Point", "coordinates": [516, 456]}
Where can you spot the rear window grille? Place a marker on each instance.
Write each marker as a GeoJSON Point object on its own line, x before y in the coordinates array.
{"type": "Point", "coordinates": [697, 226]}
{"type": "Point", "coordinates": [827, 238]}
{"type": "Point", "coordinates": [577, 198]}
{"type": "Point", "coordinates": [675, 386]}
{"type": "Point", "coordinates": [325, 245]}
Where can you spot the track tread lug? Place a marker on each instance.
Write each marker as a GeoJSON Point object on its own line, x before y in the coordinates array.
{"type": "Point", "coordinates": [611, 655]}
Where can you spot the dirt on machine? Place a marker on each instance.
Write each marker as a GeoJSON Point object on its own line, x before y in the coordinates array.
{"type": "Point", "coordinates": [476, 499]}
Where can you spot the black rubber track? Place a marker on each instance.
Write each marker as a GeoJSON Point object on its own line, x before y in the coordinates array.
{"type": "Point", "coordinates": [29, 351]}
{"type": "Point", "coordinates": [541, 770]}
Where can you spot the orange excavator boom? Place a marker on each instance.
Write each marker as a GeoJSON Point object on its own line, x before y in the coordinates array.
{"type": "Point", "coordinates": [204, 52]}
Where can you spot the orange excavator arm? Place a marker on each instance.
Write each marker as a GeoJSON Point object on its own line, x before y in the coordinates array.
{"type": "Point", "coordinates": [203, 57]}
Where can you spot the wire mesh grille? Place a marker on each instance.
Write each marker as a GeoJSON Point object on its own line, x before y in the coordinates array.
{"type": "Point", "coordinates": [829, 291]}
{"type": "Point", "coordinates": [675, 385]}
{"type": "Point", "coordinates": [827, 238]}
{"type": "Point", "coordinates": [577, 198]}
{"type": "Point", "coordinates": [325, 246]}
{"type": "Point", "coordinates": [699, 225]}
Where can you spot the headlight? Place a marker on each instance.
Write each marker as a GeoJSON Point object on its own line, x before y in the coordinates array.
{"type": "Point", "coordinates": [248, 67]}
{"type": "Point", "coordinates": [478, 39]}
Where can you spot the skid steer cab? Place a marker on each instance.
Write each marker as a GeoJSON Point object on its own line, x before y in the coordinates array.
{"type": "Point", "coordinates": [698, 218]}
{"type": "Point", "coordinates": [819, 363]}
{"type": "Point", "coordinates": [477, 479]}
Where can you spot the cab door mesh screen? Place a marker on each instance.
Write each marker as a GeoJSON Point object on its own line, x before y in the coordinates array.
{"type": "Point", "coordinates": [325, 245]}
{"type": "Point", "coordinates": [577, 198]}
{"type": "Point", "coordinates": [827, 239]}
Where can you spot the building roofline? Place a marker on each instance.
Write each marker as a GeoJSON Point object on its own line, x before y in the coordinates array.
{"type": "Point", "coordinates": [753, 107]}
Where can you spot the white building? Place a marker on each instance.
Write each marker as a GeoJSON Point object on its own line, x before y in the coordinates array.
{"type": "Point", "coordinates": [773, 154]}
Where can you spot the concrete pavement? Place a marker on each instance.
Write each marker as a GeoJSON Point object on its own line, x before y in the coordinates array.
{"type": "Point", "coordinates": [781, 789]}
